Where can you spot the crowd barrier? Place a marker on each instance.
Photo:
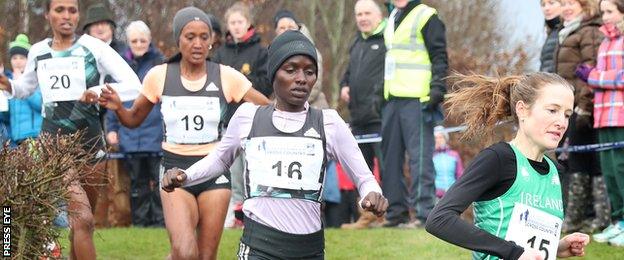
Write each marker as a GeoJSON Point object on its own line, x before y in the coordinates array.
{"type": "Point", "coordinates": [376, 138]}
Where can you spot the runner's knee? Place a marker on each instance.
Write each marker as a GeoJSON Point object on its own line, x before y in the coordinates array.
{"type": "Point", "coordinates": [83, 222]}
{"type": "Point", "coordinates": [184, 249]}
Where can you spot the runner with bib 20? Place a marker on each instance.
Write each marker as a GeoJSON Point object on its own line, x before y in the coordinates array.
{"type": "Point", "coordinates": [193, 93]}
{"type": "Point", "coordinates": [69, 70]}
{"type": "Point", "coordinates": [286, 146]}
{"type": "Point", "coordinates": [514, 188]}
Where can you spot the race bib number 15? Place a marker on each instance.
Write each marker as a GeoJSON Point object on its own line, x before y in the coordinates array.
{"type": "Point", "coordinates": [61, 79]}
{"type": "Point", "coordinates": [534, 228]}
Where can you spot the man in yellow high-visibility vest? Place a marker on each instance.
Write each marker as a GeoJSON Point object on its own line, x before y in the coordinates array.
{"type": "Point", "coordinates": [415, 66]}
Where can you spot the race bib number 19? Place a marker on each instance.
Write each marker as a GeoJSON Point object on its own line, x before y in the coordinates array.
{"type": "Point", "coordinates": [61, 79]}
{"type": "Point", "coordinates": [534, 228]}
{"type": "Point", "coordinates": [191, 120]}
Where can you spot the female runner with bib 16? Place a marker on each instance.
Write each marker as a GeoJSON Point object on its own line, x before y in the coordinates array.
{"type": "Point", "coordinates": [513, 186]}
{"type": "Point", "coordinates": [286, 146]}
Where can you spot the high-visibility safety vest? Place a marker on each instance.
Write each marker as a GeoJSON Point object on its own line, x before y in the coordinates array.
{"type": "Point", "coordinates": [407, 71]}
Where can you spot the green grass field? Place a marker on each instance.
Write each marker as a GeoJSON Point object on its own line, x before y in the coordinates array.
{"type": "Point", "coordinates": [142, 243]}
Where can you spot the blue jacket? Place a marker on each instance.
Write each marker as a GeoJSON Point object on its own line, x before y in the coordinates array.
{"type": "Point", "coordinates": [141, 65]}
{"type": "Point", "coordinates": [25, 117]}
{"type": "Point", "coordinates": [148, 136]}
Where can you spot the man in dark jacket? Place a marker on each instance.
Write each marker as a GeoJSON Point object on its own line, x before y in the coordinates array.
{"type": "Point", "coordinates": [362, 84]}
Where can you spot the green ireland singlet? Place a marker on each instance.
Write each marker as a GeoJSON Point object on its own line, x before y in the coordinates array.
{"type": "Point", "coordinates": [529, 213]}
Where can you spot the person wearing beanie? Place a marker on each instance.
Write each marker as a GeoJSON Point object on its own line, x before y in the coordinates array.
{"type": "Point", "coordinates": [192, 93]}
{"type": "Point", "coordinates": [100, 24]}
{"type": "Point", "coordinates": [19, 46]}
{"type": "Point", "coordinates": [286, 146]}
{"type": "Point", "coordinates": [24, 114]}
{"type": "Point", "coordinates": [285, 20]}
{"type": "Point", "coordinates": [67, 69]}
{"type": "Point", "coordinates": [217, 33]}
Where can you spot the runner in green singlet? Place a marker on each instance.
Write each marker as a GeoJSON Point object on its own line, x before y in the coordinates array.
{"type": "Point", "coordinates": [514, 188]}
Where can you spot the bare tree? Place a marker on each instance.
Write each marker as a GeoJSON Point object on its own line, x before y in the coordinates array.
{"type": "Point", "coordinates": [479, 49]}
{"type": "Point", "coordinates": [476, 44]}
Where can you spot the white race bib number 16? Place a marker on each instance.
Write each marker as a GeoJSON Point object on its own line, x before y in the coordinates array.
{"type": "Point", "coordinates": [291, 164]}
{"type": "Point", "coordinates": [534, 228]}
{"type": "Point", "coordinates": [61, 79]}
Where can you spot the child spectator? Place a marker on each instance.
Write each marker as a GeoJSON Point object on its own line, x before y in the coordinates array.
{"type": "Point", "coordinates": [446, 161]}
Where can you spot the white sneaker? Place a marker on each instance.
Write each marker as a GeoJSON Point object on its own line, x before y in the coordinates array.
{"type": "Point", "coordinates": [610, 232]}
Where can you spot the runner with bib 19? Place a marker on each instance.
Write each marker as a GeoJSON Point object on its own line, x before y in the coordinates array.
{"type": "Point", "coordinates": [193, 93]}
{"type": "Point", "coordinates": [513, 186]}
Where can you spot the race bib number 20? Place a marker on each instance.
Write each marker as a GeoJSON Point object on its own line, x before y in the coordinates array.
{"type": "Point", "coordinates": [534, 228]}
{"type": "Point", "coordinates": [61, 79]}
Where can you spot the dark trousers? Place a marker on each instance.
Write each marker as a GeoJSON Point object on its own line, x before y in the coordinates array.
{"type": "Point", "coordinates": [403, 129]}
{"type": "Point", "coordinates": [612, 162]}
{"type": "Point", "coordinates": [346, 211]}
{"type": "Point", "coordinates": [145, 201]}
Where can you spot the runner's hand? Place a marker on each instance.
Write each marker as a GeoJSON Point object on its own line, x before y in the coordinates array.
{"type": "Point", "coordinates": [109, 98]}
{"type": "Point", "coordinates": [376, 203]}
{"type": "Point", "coordinates": [572, 245]}
{"type": "Point", "coordinates": [173, 178]}
{"type": "Point", "coordinates": [531, 254]}
{"type": "Point", "coordinates": [89, 97]}
{"type": "Point", "coordinates": [112, 138]}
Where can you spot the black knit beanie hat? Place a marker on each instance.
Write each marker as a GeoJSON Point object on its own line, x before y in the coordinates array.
{"type": "Point", "coordinates": [283, 14]}
{"type": "Point", "coordinates": [286, 45]}
{"type": "Point", "coordinates": [214, 23]}
{"type": "Point", "coordinates": [185, 16]}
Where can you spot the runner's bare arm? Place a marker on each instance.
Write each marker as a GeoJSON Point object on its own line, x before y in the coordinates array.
{"type": "Point", "coordinates": [255, 97]}
{"type": "Point", "coordinates": [130, 118]}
